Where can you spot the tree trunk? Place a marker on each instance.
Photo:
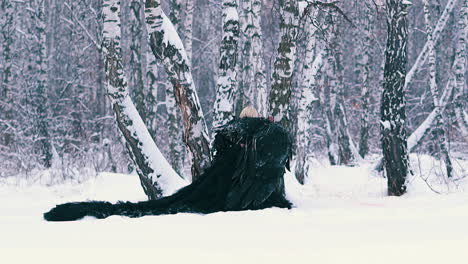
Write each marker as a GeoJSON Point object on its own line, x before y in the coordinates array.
{"type": "Point", "coordinates": [188, 26]}
{"type": "Point", "coordinates": [6, 108]}
{"type": "Point", "coordinates": [313, 61]}
{"type": "Point", "coordinates": [151, 95]}
{"type": "Point", "coordinates": [461, 95]}
{"type": "Point", "coordinates": [252, 90]}
{"type": "Point", "coordinates": [393, 116]}
{"type": "Point", "coordinates": [280, 92]}
{"type": "Point", "coordinates": [156, 175]}
{"type": "Point", "coordinates": [167, 47]}
{"type": "Point", "coordinates": [364, 63]}
{"type": "Point", "coordinates": [438, 130]}
{"type": "Point", "coordinates": [176, 147]}
{"type": "Point", "coordinates": [341, 149]}
{"type": "Point", "coordinates": [436, 35]}
{"type": "Point", "coordinates": [227, 75]}
{"type": "Point", "coordinates": [136, 79]}
{"type": "Point", "coordinates": [39, 100]}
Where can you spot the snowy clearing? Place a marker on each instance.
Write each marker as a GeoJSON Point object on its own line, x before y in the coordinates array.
{"type": "Point", "coordinates": [342, 216]}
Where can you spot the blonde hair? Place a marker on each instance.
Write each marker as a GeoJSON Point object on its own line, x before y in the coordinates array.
{"type": "Point", "coordinates": [249, 111]}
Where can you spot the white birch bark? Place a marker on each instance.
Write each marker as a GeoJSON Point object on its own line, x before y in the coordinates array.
{"type": "Point", "coordinates": [151, 92]}
{"type": "Point", "coordinates": [188, 30]}
{"type": "Point", "coordinates": [441, 23]}
{"type": "Point", "coordinates": [176, 148]}
{"type": "Point", "coordinates": [175, 13]}
{"type": "Point", "coordinates": [227, 76]}
{"type": "Point", "coordinates": [253, 83]}
{"type": "Point", "coordinates": [7, 28]}
{"type": "Point", "coordinates": [136, 79]}
{"type": "Point", "coordinates": [156, 175]}
{"type": "Point", "coordinates": [461, 96]}
{"type": "Point", "coordinates": [313, 61]}
{"type": "Point", "coordinates": [167, 47]}
{"type": "Point", "coordinates": [280, 92]}
{"type": "Point", "coordinates": [439, 127]}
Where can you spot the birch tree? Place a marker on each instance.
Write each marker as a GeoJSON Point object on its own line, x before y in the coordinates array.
{"type": "Point", "coordinates": [136, 77]}
{"type": "Point", "coordinates": [227, 75]}
{"type": "Point", "coordinates": [252, 90]}
{"type": "Point", "coordinates": [415, 138]}
{"type": "Point", "coordinates": [7, 33]}
{"type": "Point", "coordinates": [40, 67]}
{"type": "Point", "coordinates": [364, 63]}
{"type": "Point", "coordinates": [313, 61]}
{"type": "Point", "coordinates": [394, 145]}
{"type": "Point", "coordinates": [176, 148]}
{"type": "Point", "coordinates": [341, 149]}
{"type": "Point", "coordinates": [460, 72]}
{"type": "Point", "coordinates": [167, 47]}
{"type": "Point", "coordinates": [188, 27]}
{"type": "Point", "coordinates": [280, 92]}
{"type": "Point", "coordinates": [151, 95]}
{"type": "Point", "coordinates": [439, 128]}
{"type": "Point", "coordinates": [156, 175]}
{"type": "Point", "coordinates": [422, 57]}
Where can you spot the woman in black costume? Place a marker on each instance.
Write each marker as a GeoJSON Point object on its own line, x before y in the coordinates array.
{"type": "Point", "coordinates": [251, 155]}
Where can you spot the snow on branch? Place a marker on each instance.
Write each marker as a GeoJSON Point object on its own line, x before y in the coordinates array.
{"type": "Point", "coordinates": [435, 37]}
{"type": "Point", "coordinates": [156, 175]}
{"type": "Point", "coordinates": [167, 46]}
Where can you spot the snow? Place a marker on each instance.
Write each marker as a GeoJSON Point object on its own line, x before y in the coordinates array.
{"type": "Point", "coordinates": [441, 23]}
{"type": "Point", "coordinates": [406, 2]}
{"type": "Point", "coordinates": [302, 5]}
{"type": "Point", "coordinates": [342, 216]}
{"type": "Point", "coordinates": [167, 178]}
{"type": "Point", "coordinates": [386, 124]}
{"type": "Point", "coordinates": [230, 14]}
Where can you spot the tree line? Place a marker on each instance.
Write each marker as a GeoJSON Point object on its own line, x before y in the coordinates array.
{"type": "Point", "coordinates": [82, 81]}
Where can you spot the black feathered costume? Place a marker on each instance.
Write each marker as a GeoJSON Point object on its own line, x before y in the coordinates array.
{"type": "Point", "coordinates": [251, 155]}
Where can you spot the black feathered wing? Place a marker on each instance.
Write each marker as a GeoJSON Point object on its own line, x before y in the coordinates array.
{"type": "Point", "coordinates": [247, 173]}
{"type": "Point", "coordinates": [260, 167]}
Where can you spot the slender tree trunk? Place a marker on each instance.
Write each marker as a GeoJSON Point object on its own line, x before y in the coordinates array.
{"type": "Point", "coordinates": [156, 175]}
{"type": "Point", "coordinates": [439, 129]}
{"type": "Point", "coordinates": [151, 93]}
{"type": "Point", "coordinates": [313, 61]}
{"type": "Point", "coordinates": [39, 100]}
{"type": "Point", "coordinates": [280, 92]}
{"type": "Point", "coordinates": [252, 90]}
{"type": "Point", "coordinates": [136, 79]}
{"type": "Point", "coordinates": [176, 148]}
{"type": "Point", "coordinates": [6, 108]}
{"type": "Point", "coordinates": [175, 14]}
{"type": "Point", "coordinates": [227, 75]}
{"type": "Point", "coordinates": [328, 94]}
{"type": "Point", "coordinates": [168, 48]}
{"type": "Point", "coordinates": [188, 26]}
{"type": "Point", "coordinates": [435, 35]}
{"type": "Point", "coordinates": [393, 116]}
{"type": "Point", "coordinates": [461, 94]}
{"type": "Point", "coordinates": [364, 63]}
{"type": "Point", "coordinates": [341, 149]}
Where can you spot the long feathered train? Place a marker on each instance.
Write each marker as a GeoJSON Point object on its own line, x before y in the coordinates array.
{"type": "Point", "coordinates": [246, 174]}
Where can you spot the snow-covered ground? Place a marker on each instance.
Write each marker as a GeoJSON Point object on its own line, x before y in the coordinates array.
{"type": "Point", "coordinates": [342, 216]}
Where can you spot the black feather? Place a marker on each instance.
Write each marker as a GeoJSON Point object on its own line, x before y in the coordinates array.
{"type": "Point", "coordinates": [246, 174]}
